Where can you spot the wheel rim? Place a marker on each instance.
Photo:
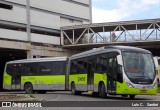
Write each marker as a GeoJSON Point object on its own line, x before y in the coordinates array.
{"type": "Point", "coordinates": [28, 88]}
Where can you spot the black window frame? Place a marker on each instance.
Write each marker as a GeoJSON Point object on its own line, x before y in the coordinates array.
{"type": "Point", "coordinates": [79, 66]}
{"type": "Point", "coordinates": [60, 68]}
{"type": "Point", "coordinates": [10, 66]}
{"type": "Point", "coordinates": [33, 73]}
{"type": "Point", "coordinates": [45, 64]}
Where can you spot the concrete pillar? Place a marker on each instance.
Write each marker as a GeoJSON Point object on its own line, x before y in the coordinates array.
{"type": "Point", "coordinates": [29, 54]}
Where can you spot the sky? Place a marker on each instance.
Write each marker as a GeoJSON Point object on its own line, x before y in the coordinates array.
{"type": "Point", "coordinates": [124, 10]}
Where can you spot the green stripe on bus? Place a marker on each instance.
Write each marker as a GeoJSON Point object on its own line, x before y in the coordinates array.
{"type": "Point", "coordinates": [7, 79]}
{"type": "Point", "coordinates": [57, 79]}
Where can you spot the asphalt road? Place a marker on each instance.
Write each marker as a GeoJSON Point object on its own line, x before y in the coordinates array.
{"type": "Point", "coordinates": [66, 96]}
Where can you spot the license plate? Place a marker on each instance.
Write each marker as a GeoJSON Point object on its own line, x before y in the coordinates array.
{"type": "Point", "coordinates": [143, 91]}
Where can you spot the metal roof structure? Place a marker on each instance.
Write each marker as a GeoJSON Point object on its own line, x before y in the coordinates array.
{"type": "Point", "coordinates": [139, 33]}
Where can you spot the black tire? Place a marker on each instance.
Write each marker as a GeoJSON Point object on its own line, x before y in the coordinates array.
{"type": "Point", "coordinates": [131, 96]}
{"type": "Point", "coordinates": [28, 87]}
{"type": "Point", "coordinates": [102, 91]}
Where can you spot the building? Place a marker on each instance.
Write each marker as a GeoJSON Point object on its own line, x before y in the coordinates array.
{"type": "Point", "coordinates": [31, 28]}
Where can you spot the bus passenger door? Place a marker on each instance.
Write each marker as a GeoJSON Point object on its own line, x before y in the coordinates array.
{"type": "Point", "coordinates": [90, 77]}
{"type": "Point", "coordinates": [111, 79]}
{"type": "Point", "coordinates": [16, 76]}
{"type": "Point", "coordinates": [111, 85]}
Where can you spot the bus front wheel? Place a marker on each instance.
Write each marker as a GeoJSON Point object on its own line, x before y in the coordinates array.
{"type": "Point", "coordinates": [28, 88]}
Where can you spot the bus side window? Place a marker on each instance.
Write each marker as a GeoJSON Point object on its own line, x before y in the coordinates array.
{"type": "Point", "coordinates": [59, 68]}
{"type": "Point", "coordinates": [101, 63]}
{"type": "Point", "coordinates": [9, 69]}
{"type": "Point", "coordinates": [20, 69]}
{"type": "Point", "coordinates": [73, 67]}
{"type": "Point", "coordinates": [45, 68]}
{"type": "Point", "coordinates": [82, 65]}
{"type": "Point", "coordinates": [63, 67]}
{"type": "Point", "coordinates": [31, 69]}
{"type": "Point", "coordinates": [79, 66]}
{"type": "Point", "coordinates": [14, 70]}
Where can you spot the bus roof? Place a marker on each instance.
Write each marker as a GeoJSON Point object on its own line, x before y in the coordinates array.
{"type": "Point", "coordinates": [128, 48]}
{"type": "Point", "coordinates": [39, 60]}
{"type": "Point", "coordinates": [109, 48]}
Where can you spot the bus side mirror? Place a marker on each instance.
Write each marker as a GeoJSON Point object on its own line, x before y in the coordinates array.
{"type": "Point", "coordinates": [119, 74]}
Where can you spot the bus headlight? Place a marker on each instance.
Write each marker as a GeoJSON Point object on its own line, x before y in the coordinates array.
{"type": "Point", "coordinates": [129, 84]}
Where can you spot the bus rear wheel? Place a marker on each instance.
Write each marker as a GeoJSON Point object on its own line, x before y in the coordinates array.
{"type": "Point", "coordinates": [102, 91]}
{"type": "Point", "coordinates": [28, 88]}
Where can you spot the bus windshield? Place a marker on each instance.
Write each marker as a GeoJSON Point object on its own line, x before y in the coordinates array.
{"type": "Point", "coordinates": [139, 67]}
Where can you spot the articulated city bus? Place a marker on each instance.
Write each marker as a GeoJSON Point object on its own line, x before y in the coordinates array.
{"type": "Point", "coordinates": [113, 70]}
{"type": "Point", "coordinates": [110, 70]}
{"type": "Point", "coordinates": [35, 75]}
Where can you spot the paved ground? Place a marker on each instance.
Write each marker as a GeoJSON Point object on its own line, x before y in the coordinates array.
{"type": "Point", "coordinates": [66, 96]}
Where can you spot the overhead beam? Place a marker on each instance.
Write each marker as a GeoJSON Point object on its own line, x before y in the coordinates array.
{"type": "Point", "coordinates": [67, 37]}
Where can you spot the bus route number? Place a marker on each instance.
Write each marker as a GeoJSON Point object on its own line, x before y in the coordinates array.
{"type": "Point", "coordinates": [81, 78]}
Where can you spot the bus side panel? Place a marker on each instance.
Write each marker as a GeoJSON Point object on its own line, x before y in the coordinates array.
{"type": "Point", "coordinates": [98, 77]}
{"type": "Point", "coordinates": [80, 81]}
{"type": "Point", "coordinates": [56, 82]}
{"type": "Point", "coordinates": [7, 81]}
{"type": "Point", "coordinates": [122, 88]}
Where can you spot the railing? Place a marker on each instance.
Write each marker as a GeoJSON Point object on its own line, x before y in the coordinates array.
{"type": "Point", "coordinates": [127, 31]}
